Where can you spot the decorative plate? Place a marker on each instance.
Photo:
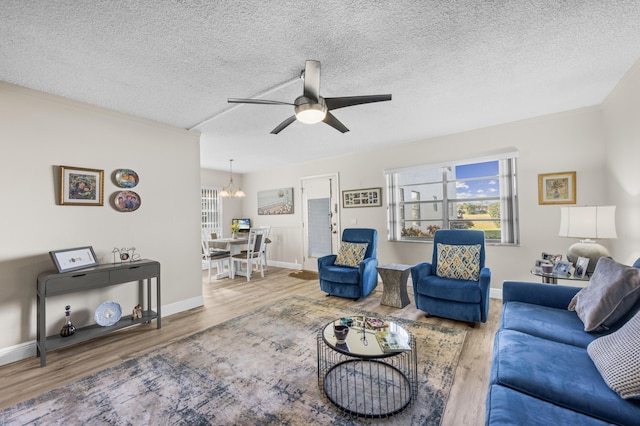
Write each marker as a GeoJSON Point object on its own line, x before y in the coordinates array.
{"type": "Point", "coordinates": [126, 201]}
{"type": "Point", "coordinates": [126, 178]}
{"type": "Point", "coordinates": [108, 314]}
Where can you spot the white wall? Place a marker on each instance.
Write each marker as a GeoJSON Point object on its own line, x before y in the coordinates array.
{"type": "Point", "coordinates": [570, 141]}
{"type": "Point", "coordinates": [621, 113]}
{"type": "Point", "coordinates": [38, 132]}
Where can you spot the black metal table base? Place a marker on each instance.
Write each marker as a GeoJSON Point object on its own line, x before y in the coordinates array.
{"type": "Point", "coordinates": [364, 387]}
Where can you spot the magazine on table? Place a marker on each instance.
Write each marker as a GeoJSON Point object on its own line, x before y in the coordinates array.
{"type": "Point", "coordinates": [391, 341]}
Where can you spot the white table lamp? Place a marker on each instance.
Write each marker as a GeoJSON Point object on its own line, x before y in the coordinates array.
{"type": "Point", "coordinates": [588, 223]}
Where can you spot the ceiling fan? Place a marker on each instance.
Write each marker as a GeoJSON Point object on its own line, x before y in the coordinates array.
{"type": "Point", "coordinates": [312, 108]}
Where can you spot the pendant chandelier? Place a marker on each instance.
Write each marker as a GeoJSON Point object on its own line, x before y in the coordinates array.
{"type": "Point", "coordinates": [230, 190]}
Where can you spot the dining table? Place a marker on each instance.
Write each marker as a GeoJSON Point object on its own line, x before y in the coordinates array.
{"type": "Point", "coordinates": [233, 245]}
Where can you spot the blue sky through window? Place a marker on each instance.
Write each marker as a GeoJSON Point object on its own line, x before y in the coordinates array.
{"type": "Point", "coordinates": [488, 187]}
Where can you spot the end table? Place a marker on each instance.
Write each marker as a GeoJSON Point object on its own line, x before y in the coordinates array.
{"type": "Point", "coordinates": [394, 278]}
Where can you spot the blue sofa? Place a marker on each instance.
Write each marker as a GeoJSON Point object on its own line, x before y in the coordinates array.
{"type": "Point", "coordinates": [541, 372]}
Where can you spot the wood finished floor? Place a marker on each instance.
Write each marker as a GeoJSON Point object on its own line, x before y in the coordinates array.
{"type": "Point", "coordinates": [225, 299]}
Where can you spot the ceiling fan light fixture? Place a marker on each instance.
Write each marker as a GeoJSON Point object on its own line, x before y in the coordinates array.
{"type": "Point", "coordinates": [310, 112]}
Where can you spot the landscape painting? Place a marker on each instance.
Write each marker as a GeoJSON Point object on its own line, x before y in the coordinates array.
{"type": "Point", "coordinates": [275, 201]}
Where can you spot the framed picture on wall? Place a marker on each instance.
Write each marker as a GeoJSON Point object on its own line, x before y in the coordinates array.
{"type": "Point", "coordinates": [370, 197]}
{"type": "Point", "coordinates": [81, 187]}
{"type": "Point", "coordinates": [557, 188]}
{"type": "Point", "coordinates": [275, 201]}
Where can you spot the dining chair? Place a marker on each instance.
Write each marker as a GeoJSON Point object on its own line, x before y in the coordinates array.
{"type": "Point", "coordinates": [253, 256]}
{"type": "Point", "coordinates": [215, 256]}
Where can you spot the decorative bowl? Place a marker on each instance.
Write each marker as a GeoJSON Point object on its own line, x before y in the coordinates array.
{"type": "Point", "coordinates": [108, 314]}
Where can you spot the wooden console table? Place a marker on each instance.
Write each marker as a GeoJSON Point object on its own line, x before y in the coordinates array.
{"type": "Point", "coordinates": [54, 284]}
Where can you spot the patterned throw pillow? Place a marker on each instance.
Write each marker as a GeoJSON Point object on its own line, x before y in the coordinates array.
{"type": "Point", "coordinates": [616, 358]}
{"type": "Point", "coordinates": [351, 254]}
{"type": "Point", "coordinates": [458, 261]}
{"type": "Point", "coordinates": [612, 290]}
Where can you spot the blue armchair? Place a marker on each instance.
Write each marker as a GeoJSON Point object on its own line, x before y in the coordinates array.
{"type": "Point", "coordinates": [347, 281]}
{"type": "Point", "coordinates": [458, 287]}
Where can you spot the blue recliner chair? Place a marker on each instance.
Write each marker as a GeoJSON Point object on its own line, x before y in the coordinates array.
{"type": "Point", "coordinates": [347, 281]}
{"type": "Point", "coordinates": [459, 289]}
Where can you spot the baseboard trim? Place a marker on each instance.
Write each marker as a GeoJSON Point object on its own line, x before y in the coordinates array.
{"type": "Point", "coordinates": [286, 265]}
{"type": "Point", "coordinates": [28, 349]}
{"type": "Point", "coordinates": [17, 352]}
{"type": "Point", "coordinates": [495, 293]}
{"type": "Point", "coordinates": [182, 305]}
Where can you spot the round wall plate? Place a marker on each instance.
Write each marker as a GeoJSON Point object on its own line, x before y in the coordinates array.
{"type": "Point", "coordinates": [126, 201]}
{"type": "Point", "coordinates": [126, 178]}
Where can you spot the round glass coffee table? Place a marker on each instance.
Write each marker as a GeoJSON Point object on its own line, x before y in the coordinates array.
{"type": "Point", "coordinates": [362, 379]}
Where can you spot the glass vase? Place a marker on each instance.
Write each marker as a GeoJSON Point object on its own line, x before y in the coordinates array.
{"type": "Point", "coordinates": [68, 328]}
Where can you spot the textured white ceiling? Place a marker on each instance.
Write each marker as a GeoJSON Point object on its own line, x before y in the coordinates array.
{"type": "Point", "coordinates": [451, 66]}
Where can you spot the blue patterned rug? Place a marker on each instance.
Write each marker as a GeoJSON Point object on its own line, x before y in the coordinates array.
{"type": "Point", "coordinates": [259, 368]}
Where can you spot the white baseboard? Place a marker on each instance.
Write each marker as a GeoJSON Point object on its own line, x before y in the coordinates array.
{"type": "Point", "coordinates": [286, 265]}
{"type": "Point", "coordinates": [495, 293]}
{"type": "Point", "coordinates": [181, 306]}
{"type": "Point", "coordinates": [17, 352]}
{"type": "Point", "coordinates": [28, 349]}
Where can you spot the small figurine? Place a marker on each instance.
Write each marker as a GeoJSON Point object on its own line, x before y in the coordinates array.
{"type": "Point", "coordinates": [137, 312]}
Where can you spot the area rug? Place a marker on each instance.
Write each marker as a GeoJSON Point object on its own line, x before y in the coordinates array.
{"type": "Point", "coordinates": [257, 369]}
{"type": "Point", "coordinates": [304, 275]}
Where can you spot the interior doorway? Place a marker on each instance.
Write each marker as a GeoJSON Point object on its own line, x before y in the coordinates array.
{"type": "Point", "coordinates": [320, 218]}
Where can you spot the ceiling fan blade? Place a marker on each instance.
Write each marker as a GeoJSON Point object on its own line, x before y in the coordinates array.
{"type": "Point", "coordinates": [282, 125]}
{"type": "Point", "coordinates": [345, 101]}
{"type": "Point", "coordinates": [332, 121]}
{"type": "Point", "coordinates": [312, 80]}
{"type": "Point", "coordinates": [256, 101]}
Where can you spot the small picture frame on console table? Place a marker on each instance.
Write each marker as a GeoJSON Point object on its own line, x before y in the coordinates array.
{"type": "Point", "coordinates": [370, 197]}
{"type": "Point", "coordinates": [562, 268]}
{"type": "Point", "coordinates": [74, 258]}
{"type": "Point", "coordinates": [581, 267]}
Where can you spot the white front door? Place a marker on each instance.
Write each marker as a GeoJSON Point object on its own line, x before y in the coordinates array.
{"type": "Point", "coordinates": [320, 219]}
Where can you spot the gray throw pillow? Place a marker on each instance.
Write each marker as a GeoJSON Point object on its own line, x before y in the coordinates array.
{"type": "Point", "coordinates": [612, 290]}
{"type": "Point", "coordinates": [617, 358]}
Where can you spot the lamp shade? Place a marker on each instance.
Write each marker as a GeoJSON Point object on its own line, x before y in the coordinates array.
{"type": "Point", "coordinates": [588, 222]}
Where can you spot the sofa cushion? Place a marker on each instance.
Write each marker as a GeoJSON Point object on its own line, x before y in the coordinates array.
{"type": "Point", "coordinates": [351, 254]}
{"type": "Point", "coordinates": [506, 406]}
{"type": "Point", "coordinates": [617, 358]}
{"type": "Point", "coordinates": [554, 324]}
{"type": "Point", "coordinates": [612, 290]}
{"type": "Point", "coordinates": [549, 370]}
{"type": "Point", "coordinates": [461, 262]}
{"type": "Point", "coordinates": [448, 289]}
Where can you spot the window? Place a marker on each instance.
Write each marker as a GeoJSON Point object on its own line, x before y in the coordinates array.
{"type": "Point", "coordinates": [211, 210]}
{"type": "Point", "coordinates": [474, 194]}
